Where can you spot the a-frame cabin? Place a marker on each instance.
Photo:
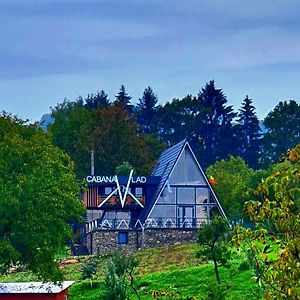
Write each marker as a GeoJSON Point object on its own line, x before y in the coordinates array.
{"type": "Point", "coordinates": [129, 211]}
{"type": "Point", "coordinates": [184, 194]}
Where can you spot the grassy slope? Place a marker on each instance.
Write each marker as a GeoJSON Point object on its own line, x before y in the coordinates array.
{"type": "Point", "coordinates": [169, 268]}
{"type": "Point", "coordinates": [177, 269]}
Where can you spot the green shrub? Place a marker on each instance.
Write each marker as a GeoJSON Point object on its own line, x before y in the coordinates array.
{"type": "Point", "coordinates": [119, 277]}
{"type": "Point", "coordinates": [89, 269]}
{"type": "Point", "coordinates": [244, 265]}
{"type": "Point", "coordinates": [216, 291]}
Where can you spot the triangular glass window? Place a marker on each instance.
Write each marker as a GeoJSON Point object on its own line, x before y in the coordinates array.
{"type": "Point", "coordinates": [193, 174]}
{"type": "Point", "coordinates": [177, 176]}
{"type": "Point", "coordinates": [187, 171]}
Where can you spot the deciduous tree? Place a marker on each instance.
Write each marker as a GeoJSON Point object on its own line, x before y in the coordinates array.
{"type": "Point", "coordinates": [233, 177]}
{"type": "Point", "coordinates": [115, 139]}
{"type": "Point", "coordinates": [71, 132]}
{"type": "Point", "coordinates": [119, 269]}
{"type": "Point", "coordinates": [111, 132]}
{"type": "Point", "coordinates": [283, 130]}
{"type": "Point", "coordinates": [275, 243]}
{"type": "Point", "coordinates": [39, 198]}
{"type": "Point", "coordinates": [213, 238]}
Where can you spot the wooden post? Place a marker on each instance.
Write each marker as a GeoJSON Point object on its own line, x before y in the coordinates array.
{"type": "Point", "coordinates": [92, 163]}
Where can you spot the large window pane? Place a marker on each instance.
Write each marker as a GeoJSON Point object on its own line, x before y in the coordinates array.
{"type": "Point", "coordinates": [139, 191]}
{"type": "Point", "coordinates": [117, 214]}
{"type": "Point", "coordinates": [170, 212]}
{"type": "Point", "coordinates": [186, 195]}
{"type": "Point", "coordinates": [158, 212]}
{"type": "Point", "coordinates": [123, 215]}
{"type": "Point", "coordinates": [163, 212]}
{"type": "Point", "coordinates": [108, 190]}
{"type": "Point", "coordinates": [178, 176]}
{"type": "Point", "coordinates": [201, 213]}
{"type": "Point", "coordinates": [168, 196]}
{"type": "Point", "coordinates": [161, 199]}
{"type": "Point", "coordinates": [193, 174]}
{"type": "Point", "coordinates": [187, 171]}
{"type": "Point", "coordinates": [202, 216]}
{"type": "Point", "coordinates": [202, 195]}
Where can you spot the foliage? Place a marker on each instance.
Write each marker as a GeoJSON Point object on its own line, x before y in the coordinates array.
{"type": "Point", "coordinates": [100, 99]}
{"type": "Point", "coordinates": [244, 265]}
{"type": "Point", "coordinates": [119, 267]}
{"type": "Point", "coordinates": [169, 268]}
{"type": "Point", "coordinates": [39, 199]}
{"type": "Point", "coordinates": [111, 132]}
{"type": "Point", "coordinates": [232, 176]}
{"type": "Point", "coordinates": [171, 294]}
{"type": "Point", "coordinates": [124, 99]}
{"type": "Point", "coordinates": [115, 139]}
{"type": "Point", "coordinates": [70, 132]}
{"type": "Point", "coordinates": [206, 120]}
{"type": "Point", "coordinates": [146, 110]}
{"type": "Point", "coordinates": [249, 134]}
{"type": "Point", "coordinates": [155, 146]}
{"type": "Point", "coordinates": [213, 239]}
{"type": "Point", "coordinates": [175, 120]}
{"type": "Point", "coordinates": [124, 168]}
{"type": "Point", "coordinates": [217, 291]}
{"type": "Point", "coordinates": [89, 269]}
{"type": "Point", "coordinates": [274, 245]}
{"type": "Point", "coordinates": [283, 130]}
{"type": "Point", "coordinates": [214, 125]}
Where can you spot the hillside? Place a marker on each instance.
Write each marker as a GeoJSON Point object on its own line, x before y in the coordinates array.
{"type": "Point", "coordinates": [173, 270]}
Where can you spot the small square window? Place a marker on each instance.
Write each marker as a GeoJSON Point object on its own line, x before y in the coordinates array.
{"type": "Point", "coordinates": [123, 238]}
{"type": "Point", "coordinates": [108, 190]}
{"type": "Point", "coordinates": [139, 191]}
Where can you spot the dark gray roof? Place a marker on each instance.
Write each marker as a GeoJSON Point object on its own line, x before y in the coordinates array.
{"type": "Point", "coordinates": [163, 169]}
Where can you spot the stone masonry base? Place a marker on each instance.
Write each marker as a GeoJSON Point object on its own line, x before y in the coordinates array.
{"type": "Point", "coordinates": [104, 241]}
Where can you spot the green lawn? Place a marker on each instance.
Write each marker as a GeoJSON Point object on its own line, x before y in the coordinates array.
{"type": "Point", "coordinates": [176, 269]}
{"type": "Point", "coordinates": [168, 268]}
{"type": "Point", "coordinates": [192, 281]}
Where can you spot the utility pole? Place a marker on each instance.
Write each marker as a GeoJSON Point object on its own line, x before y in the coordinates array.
{"type": "Point", "coordinates": [92, 163]}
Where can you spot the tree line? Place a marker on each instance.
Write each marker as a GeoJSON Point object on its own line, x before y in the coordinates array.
{"type": "Point", "coordinates": [38, 183]}
{"type": "Point", "coordinates": [119, 131]}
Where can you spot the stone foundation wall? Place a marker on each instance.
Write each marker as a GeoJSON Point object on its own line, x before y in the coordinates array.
{"type": "Point", "coordinates": [103, 241]}
{"type": "Point", "coordinates": [157, 237]}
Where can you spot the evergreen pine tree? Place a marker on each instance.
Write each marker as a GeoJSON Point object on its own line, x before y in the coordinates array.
{"type": "Point", "coordinates": [123, 98]}
{"type": "Point", "coordinates": [215, 130]}
{"type": "Point", "coordinates": [176, 120]}
{"type": "Point", "coordinates": [146, 110]}
{"type": "Point", "coordinates": [249, 133]}
{"type": "Point", "coordinates": [98, 100]}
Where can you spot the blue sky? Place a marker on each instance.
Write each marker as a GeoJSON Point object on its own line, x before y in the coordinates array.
{"type": "Point", "coordinates": [56, 49]}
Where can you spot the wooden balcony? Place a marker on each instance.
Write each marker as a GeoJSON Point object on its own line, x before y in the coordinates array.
{"type": "Point", "coordinates": [92, 200]}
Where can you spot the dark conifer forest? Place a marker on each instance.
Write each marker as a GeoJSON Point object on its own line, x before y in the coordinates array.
{"type": "Point", "coordinates": [122, 129]}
